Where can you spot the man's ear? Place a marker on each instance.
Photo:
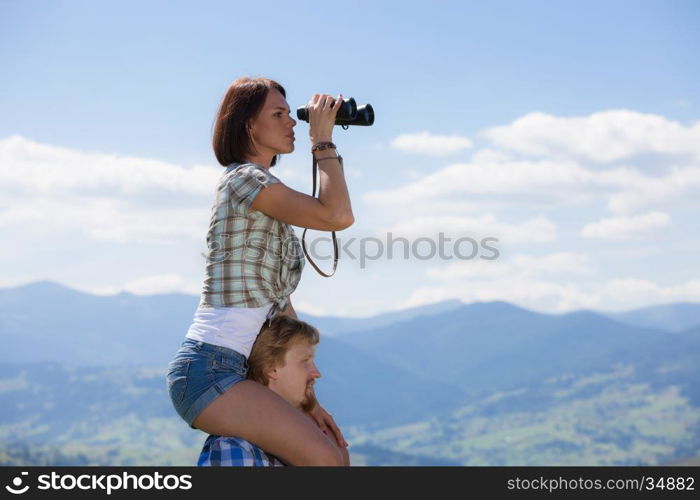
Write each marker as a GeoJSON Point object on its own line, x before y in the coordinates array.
{"type": "Point", "coordinates": [272, 374]}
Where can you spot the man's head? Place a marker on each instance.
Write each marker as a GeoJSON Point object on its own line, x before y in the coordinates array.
{"type": "Point", "coordinates": [282, 358]}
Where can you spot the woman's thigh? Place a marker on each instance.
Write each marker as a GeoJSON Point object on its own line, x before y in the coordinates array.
{"type": "Point", "coordinates": [255, 413]}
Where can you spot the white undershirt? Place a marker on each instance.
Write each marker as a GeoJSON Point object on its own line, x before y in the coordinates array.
{"type": "Point", "coordinates": [232, 327]}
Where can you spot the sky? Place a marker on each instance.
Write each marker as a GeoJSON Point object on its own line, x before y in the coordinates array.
{"type": "Point", "coordinates": [542, 153]}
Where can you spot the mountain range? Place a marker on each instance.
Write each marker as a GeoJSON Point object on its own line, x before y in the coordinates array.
{"type": "Point", "coordinates": [413, 381]}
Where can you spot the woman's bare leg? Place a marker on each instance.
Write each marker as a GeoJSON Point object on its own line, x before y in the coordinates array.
{"type": "Point", "coordinates": [253, 412]}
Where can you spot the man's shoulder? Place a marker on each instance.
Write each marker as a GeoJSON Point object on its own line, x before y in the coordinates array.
{"type": "Point", "coordinates": [226, 451]}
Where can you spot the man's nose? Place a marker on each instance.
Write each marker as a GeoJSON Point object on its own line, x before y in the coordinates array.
{"type": "Point", "coordinates": [315, 373]}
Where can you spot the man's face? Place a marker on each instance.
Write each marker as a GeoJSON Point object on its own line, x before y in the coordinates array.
{"type": "Point", "coordinates": [294, 380]}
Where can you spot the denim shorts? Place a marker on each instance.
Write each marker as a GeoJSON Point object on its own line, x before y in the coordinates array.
{"type": "Point", "coordinates": [200, 373]}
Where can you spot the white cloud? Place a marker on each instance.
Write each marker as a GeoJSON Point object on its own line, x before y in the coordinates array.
{"type": "Point", "coordinates": [526, 280]}
{"type": "Point", "coordinates": [553, 263]}
{"type": "Point", "coordinates": [35, 168]}
{"type": "Point", "coordinates": [491, 178]}
{"type": "Point", "coordinates": [538, 295]}
{"type": "Point", "coordinates": [646, 292]}
{"type": "Point", "coordinates": [429, 144]}
{"type": "Point", "coordinates": [309, 307]}
{"type": "Point", "coordinates": [638, 191]}
{"type": "Point", "coordinates": [605, 136]}
{"type": "Point", "coordinates": [544, 283]}
{"type": "Point", "coordinates": [625, 228]}
{"type": "Point", "coordinates": [536, 229]}
{"type": "Point", "coordinates": [106, 219]}
{"type": "Point", "coordinates": [49, 189]}
{"type": "Point", "coordinates": [147, 285]}
{"type": "Point", "coordinates": [556, 263]}
{"type": "Point", "coordinates": [162, 283]}
{"type": "Point", "coordinates": [488, 175]}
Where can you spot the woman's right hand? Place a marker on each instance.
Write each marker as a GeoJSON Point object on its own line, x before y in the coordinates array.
{"type": "Point", "coordinates": [322, 114]}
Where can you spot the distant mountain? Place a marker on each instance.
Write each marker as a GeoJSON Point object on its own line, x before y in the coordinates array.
{"type": "Point", "coordinates": [670, 317]}
{"type": "Point", "coordinates": [478, 347]}
{"type": "Point", "coordinates": [362, 389]}
{"type": "Point", "coordinates": [49, 322]}
{"type": "Point", "coordinates": [497, 346]}
{"type": "Point", "coordinates": [333, 326]}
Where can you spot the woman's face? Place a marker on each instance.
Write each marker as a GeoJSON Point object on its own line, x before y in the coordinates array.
{"type": "Point", "coordinates": [272, 131]}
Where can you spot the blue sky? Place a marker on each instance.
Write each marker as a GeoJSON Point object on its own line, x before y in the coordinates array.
{"type": "Point", "coordinates": [569, 131]}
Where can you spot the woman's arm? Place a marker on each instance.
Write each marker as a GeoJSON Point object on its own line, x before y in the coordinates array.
{"type": "Point", "coordinates": [332, 210]}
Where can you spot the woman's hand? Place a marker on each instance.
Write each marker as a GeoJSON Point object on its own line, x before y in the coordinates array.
{"type": "Point", "coordinates": [325, 421]}
{"type": "Point", "coordinates": [322, 114]}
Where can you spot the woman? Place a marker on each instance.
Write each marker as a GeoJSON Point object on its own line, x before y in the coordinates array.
{"type": "Point", "coordinates": [253, 265]}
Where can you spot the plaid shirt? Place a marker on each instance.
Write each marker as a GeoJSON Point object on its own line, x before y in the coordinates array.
{"type": "Point", "coordinates": [220, 451]}
{"type": "Point", "coordinates": [253, 259]}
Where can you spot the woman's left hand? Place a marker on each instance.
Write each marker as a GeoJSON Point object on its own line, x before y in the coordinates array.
{"type": "Point", "coordinates": [324, 420]}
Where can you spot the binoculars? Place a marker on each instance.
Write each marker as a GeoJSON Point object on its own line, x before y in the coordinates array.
{"type": "Point", "coordinates": [348, 114]}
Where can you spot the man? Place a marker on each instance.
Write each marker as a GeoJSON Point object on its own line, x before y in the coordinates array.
{"type": "Point", "coordinates": [282, 359]}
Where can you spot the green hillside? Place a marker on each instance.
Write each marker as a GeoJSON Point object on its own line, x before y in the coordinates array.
{"type": "Point", "coordinates": [612, 422]}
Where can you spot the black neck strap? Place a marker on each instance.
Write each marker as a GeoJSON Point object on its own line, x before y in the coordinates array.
{"type": "Point", "coordinates": [303, 236]}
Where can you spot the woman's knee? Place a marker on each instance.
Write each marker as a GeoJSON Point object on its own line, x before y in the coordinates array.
{"type": "Point", "coordinates": [326, 455]}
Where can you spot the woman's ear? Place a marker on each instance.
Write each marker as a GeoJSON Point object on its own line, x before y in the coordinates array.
{"type": "Point", "coordinates": [251, 136]}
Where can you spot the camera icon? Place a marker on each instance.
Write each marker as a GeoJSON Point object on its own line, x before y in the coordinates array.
{"type": "Point", "coordinates": [17, 482]}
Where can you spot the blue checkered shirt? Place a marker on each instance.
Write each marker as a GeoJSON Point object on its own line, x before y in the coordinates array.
{"type": "Point", "coordinates": [221, 451]}
{"type": "Point", "coordinates": [253, 259]}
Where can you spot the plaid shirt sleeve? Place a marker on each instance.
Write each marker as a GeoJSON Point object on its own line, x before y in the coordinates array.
{"type": "Point", "coordinates": [220, 451]}
{"type": "Point", "coordinates": [246, 182]}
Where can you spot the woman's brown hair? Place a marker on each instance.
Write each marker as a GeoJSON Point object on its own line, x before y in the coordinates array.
{"type": "Point", "coordinates": [243, 101]}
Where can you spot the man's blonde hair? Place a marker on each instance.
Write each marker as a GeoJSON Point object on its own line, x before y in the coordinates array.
{"type": "Point", "coordinates": [273, 342]}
